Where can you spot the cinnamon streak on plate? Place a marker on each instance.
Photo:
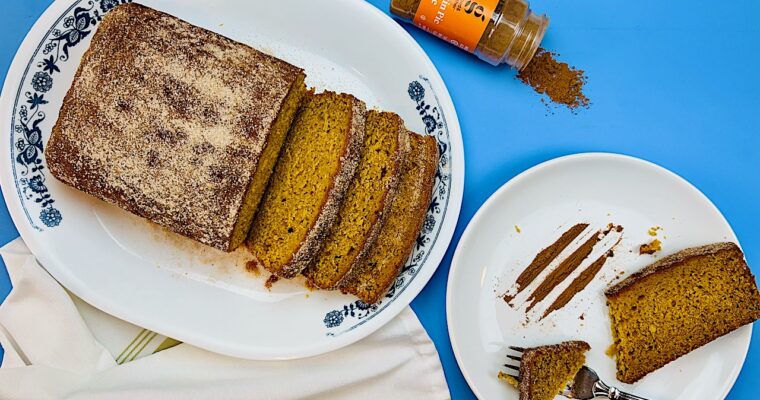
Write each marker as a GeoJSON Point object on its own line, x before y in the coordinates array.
{"type": "Point", "coordinates": [565, 268]}
{"type": "Point", "coordinates": [544, 258]}
{"type": "Point", "coordinates": [580, 282]}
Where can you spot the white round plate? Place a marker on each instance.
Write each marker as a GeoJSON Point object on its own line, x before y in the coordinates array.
{"type": "Point", "coordinates": [160, 281]}
{"type": "Point", "coordinates": [543, 202]}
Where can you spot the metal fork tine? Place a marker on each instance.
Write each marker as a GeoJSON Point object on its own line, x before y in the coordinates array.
{"type": "Point", "coordinates": [516, 358]}
{"type": "Point", "coordinates": [514, 367]}
{"type": "Point", "coordinates": [518, 349]}
{"type": "Point", "coordinates": [516, 378]}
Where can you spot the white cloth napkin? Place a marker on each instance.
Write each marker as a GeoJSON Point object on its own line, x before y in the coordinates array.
{"type": "Point", "coordinates": [58, 347]}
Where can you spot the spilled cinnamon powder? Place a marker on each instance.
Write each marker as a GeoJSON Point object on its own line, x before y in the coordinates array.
{"type": "Point", "coordinates": [560, 82]}
{"type": "Point", "coordinates": [578, 284]}
{"type": "Point", "coordinates": [587, 275]}
{"type": "Point", "coordinates": [544, 258]}
{"type": "Point", "coordinates": [565, 268]}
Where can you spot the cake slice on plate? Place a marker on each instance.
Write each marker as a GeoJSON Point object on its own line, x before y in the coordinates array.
{"type": "Point", "coordinates": [311, 178]}
{"type": "Point", "coordinates": [678, 304]}
{"type": "Point", "coordinates": [372, 277]}
{"type": "Point", "coordinates": [174, 123]}
{"type": "Point", "coordinates": [545, 371]}
{"type": "Point", "coordinates": [367, 203]}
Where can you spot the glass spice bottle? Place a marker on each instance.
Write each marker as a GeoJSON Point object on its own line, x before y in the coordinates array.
{"type": "Point", "coordinates": [497, 31]}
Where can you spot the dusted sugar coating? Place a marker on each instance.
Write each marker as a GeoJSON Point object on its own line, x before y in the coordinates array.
{"type": "Point", "coordinates": [367, 202]}
{"type": "Point", "coordinates": [546, 370]}
{"type": "Point", "coordinates": [174, 123]}
{"type": "Point", "coordinates": [376, 273]}
{"type": "Point", "coordinates": [311, 178]}
{"type": "Point", "coordinates": [678, 304]}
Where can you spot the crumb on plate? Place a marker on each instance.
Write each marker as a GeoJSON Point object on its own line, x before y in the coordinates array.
{"type": "Point", "coordinates": [651, 247]}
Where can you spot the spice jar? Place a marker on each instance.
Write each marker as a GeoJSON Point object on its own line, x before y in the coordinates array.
{"type": "Point", "coordinates": [497, 31]}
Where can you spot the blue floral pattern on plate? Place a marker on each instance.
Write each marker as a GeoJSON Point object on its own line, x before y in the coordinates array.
{"type": "Point", "coordinates": [427, 105]}
{"type": "Point", "coordinates": [29, 107]}
{"type": "Point", "coordinates": [30, 129]}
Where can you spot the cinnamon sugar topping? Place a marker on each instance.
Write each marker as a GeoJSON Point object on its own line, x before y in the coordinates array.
{"type": "Point", "coordinates": [168, 121]}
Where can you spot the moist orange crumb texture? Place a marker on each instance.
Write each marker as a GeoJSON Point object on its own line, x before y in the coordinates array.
{"type": "Point", "coordinates": [267, 161]}
{"type": "Point", "coordinates": [308, 183]}
{"type": "Point", "coordinates": [367, 201]}
{"type": "Point", "coordinates": [374, 275]}
{"type": "Point", "coordinates": [651, 247]}
{"type": "Point", "coordinates": [679, 304]}
{"type": "Point", "coordinates": [546, 370]}
{"type": "Point", "coordinates": [508, 378]}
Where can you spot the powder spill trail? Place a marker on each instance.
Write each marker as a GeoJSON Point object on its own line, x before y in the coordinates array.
{"type": "Point", "coordinates": [580, 282]}
{"type": "Point", "coordinates": [564, 270]}
{"type": "Point", "coordinates": [560, 82]}
{"type": "Point", "coordinates": [544, 258]}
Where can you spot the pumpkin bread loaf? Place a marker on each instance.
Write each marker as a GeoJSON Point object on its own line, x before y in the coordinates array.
{"type": "Point", "coordinates": [309, 182]}
{"type": "Point", "coordinates": [678, 304]}
{"type": "Point", "coordinates": [174, 123]}
{"type": "Point", "coordinates": [367, 202]}
{"type": "Point", "coordinates": [372, 277]}
{"type": "Point", "coordinates": [545, 371]}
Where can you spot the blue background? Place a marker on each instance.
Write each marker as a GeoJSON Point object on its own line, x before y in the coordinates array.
{"type": "Point", "coordinates": [675, 82]}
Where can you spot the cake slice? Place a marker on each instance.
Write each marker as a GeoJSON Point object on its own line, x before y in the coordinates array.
{"type": "Point", "coordinates": [678, 304]}
{"type": "Point", "coordinates": [367, 202]}
{"type": "Point", "coordinates": [372, 277]}
{"type": "Point", "coordinates": [545, 371]}
{"type": "Point", "coordinates": [174, 123]}
{"type": "Point", "coordinates": [309, 182]}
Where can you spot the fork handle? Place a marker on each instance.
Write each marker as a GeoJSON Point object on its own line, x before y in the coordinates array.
{"type": "Point", "coordinates": [613, 393]}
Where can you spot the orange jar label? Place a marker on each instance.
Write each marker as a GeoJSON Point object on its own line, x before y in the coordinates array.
{"type": "Point", "coordinates": [459, 22]}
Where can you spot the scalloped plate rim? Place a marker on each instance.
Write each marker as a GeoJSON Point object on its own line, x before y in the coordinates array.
{"type": "Point", "coordinates": [437, 251]}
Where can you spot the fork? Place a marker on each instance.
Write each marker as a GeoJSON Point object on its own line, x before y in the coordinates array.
{"type": "Point", "coordinates": [585, 385]}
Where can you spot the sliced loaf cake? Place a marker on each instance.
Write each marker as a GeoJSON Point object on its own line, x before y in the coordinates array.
{"type": "Point", "coordinates": [679, 303]}
{"type": "Point", "coordinates": [366, 205]}
{"type": "Point", "coordinates": [378, 270]}
{"type": "Point", "coordinates": [311, 177]}
{"type": "Point", "coordinates": [546, 370]}
{"type": "Point", "coordinates": [174, 123]}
